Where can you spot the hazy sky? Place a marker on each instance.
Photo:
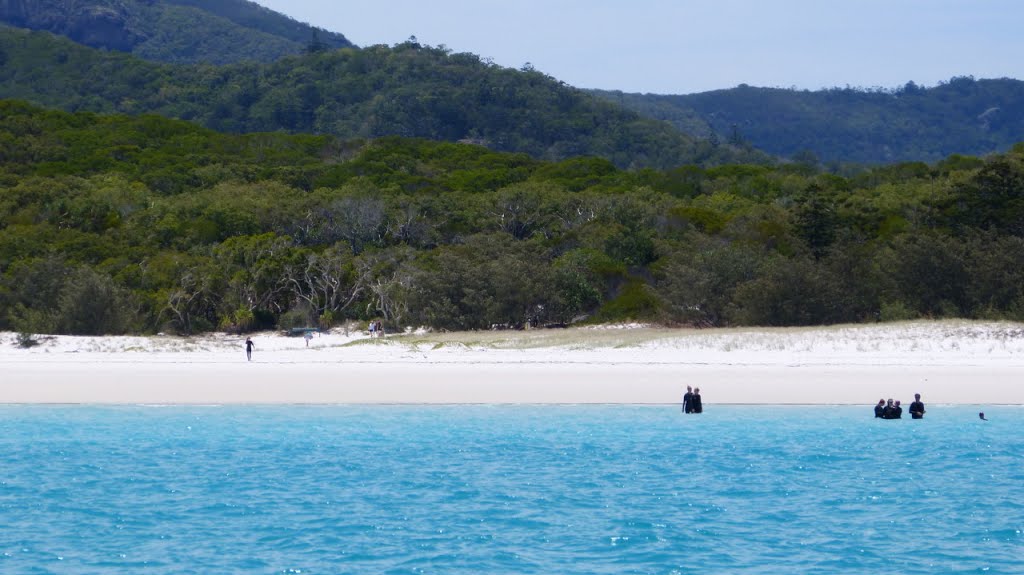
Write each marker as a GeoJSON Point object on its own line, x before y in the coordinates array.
{"type": "Point", "coordinates": [685, 46]}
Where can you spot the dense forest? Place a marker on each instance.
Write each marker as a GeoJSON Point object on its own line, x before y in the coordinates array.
{"type": "Point", "coordinates": [406, 90]}
{"type": "Point", "coordinates": [847, 125]}
{"type": "Point", "coordinates": [418, 91]}
{"type": "Point", "coordinates": [180, 31]}
{"type": "Point", "coordinates": [112, 223]}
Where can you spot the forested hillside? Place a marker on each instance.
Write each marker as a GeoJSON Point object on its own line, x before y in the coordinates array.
{"type": "Point", "coordinates": [113, 223]}
{"type": "Point", "coordinates": [182, 31]}
{"type": "Point", "coordinates": [406, 90]}
{"type": "Point", "coordinates": [836, 126]}
{"type": "Point", "coordinates": [420, 91]}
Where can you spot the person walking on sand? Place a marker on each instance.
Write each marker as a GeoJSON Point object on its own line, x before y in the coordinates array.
{"type": "Point", "coordinates": [688, 400]}
{"type": "Point", "coordinates": [917, 407]}
{"type": "Point", "coordinates": [698, 405]}
{"type": "Point", "coordinates": [308, 336]}
{"type": "Point", "coordinates": [248, 348]}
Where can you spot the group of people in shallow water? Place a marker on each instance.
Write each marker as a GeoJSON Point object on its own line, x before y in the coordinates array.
{"type": "Point", "coordinates": [691, 401]}
{"type": "Point", "coordinates": [892, 409]}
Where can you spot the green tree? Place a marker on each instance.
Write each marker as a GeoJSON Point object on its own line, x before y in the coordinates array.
{"type": "Point", "coordinates": [816, 220]}
{"type": "Point", "coordinates": [698, 282]}
{"type": "Point", "coordinates": [788, 291]}
{"type": "Point", "coordinates": [256, 268]}
{"type": "Point", "coordinates": [92, 304]}
{"type": "Point", "coordinates": [928, 273]}
{"type": "Point", "coordinates": [993, 198]}
{"type": "Point", "coordinates": [490, 280]}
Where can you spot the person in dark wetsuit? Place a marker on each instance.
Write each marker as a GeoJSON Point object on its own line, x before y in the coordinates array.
{"type": "Point", "coordinates": [698, 406]}
{"type": "Point", "coordinates": [917, 407]}
{"type": "Point", "coordinates": [880, 409]}
{"type": "Point", "coordinates": [688, 400]}
{"type": "Point", "coordinates": [981, 416]}
{"type": "Point", "coordinates": [248, 348]}
{"type": "Point", "coordinates": [888, 410]}
{"type": "Point", "coordinates": [897, 411]}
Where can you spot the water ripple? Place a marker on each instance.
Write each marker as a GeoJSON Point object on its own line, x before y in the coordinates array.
{"type": "Point", "coordinates": [471, 489]}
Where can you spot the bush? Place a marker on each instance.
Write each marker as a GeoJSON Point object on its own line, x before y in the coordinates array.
{"type": "Point", "coordinates": [788, 292]}
{"type": "Point", "coordinates": [29, 323]}
{"type": "Point", "coordinates": [636, 301]}
{"type": "Point", "coordinates": [896, 311]}
{"type": "Point", "coordinates": [27, 340]}
{"type": "Point", "coordinates": [92, 304]}
{"type": "Point", "coordinates": [299, 316]}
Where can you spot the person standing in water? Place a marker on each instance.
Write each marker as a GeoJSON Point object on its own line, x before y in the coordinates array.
{"type": "Point", "coordinates": [688, 400]}
{"type": "Point", "coordinates": [917, 407]}
{"type": "Point", "coordinates": [880, 409]}
{"type": "Point", "coordinates": [698, 406]}
{"type": "Point", "coordinates": [248, 348]}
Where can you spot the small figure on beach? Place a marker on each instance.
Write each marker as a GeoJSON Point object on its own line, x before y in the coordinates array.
{"type": "Point", "coordinates": [981, 416]}
{"type": "Point", "coordinates": [373, 328]}
{"type": "Point", "coordinates": [688, 400]}
{"type": "Point", "coordinates": [698, 406]}
{"type": "Point", "coordinates": [917, 407]}
{"type": "Point", "coordinates": [880, 409]}
{"type": "Point", "coordinates": [248, 348]}
{"type": "Point", "coordinates": [308, 336]}
{"type": "Point", "coordinates": [380, 328]}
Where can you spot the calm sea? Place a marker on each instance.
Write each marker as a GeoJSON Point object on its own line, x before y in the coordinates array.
{"type": "Point", "coordinates": [509, 489]}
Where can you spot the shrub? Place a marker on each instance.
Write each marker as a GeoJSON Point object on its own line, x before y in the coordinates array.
{"type": "Point", "coordinates": [92, 304]}
{"type": "Point", "coordinates": [636, 301]}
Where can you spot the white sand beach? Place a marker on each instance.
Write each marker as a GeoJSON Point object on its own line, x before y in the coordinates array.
{"type": "Point", "coordinates": [949, 362]}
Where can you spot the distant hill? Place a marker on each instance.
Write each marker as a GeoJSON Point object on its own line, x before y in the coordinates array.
{"type": "Point", "coordinates": [414, 90]}
{"type": "Point", "coordinates": [962, 116]}
{"type": "Point", "coordinates": [182, 31]}
{"type": "Point", "coordinates": [408, 90]}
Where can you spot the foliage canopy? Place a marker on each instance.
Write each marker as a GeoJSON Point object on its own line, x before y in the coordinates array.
{"type": "Point", "coordinates": [848, 125]}
{"type": "Point", "coordinates": [407, 90]}
{"type": "Point", "coordinates": [112, 223]}
{"type": "Point", "coordinates": [181, 31]}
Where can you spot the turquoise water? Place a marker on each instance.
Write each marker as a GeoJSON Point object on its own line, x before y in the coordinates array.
{"type": "Point", "coordinates": [476, 489]}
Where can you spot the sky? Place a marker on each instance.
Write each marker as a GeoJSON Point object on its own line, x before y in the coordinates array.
{"type": "Point", "coordinates": [689, 46]}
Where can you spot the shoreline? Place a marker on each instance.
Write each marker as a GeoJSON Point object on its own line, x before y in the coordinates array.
{"type": "Point", "coordinates": [949, 363]}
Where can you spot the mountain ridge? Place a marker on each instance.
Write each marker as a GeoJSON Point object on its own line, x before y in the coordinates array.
{"type": "Point", "coordinates": [405, 90]}
{"type": "Point", "coordinates": [850, 125]}
{"type": "Point", "coordinates": [840, 128]}
{"type": "Point", "coordinates": [177, 31]}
